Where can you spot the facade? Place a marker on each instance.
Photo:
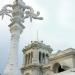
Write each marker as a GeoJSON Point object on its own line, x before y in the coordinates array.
{"type": "Point", "coordinates": [38, 59]}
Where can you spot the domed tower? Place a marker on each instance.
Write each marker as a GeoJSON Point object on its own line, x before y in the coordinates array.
{"type": "Point", "coordinates": [35, 54]}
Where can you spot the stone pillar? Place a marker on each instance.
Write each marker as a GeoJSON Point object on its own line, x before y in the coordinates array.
{"type": "Point", "coordinates": [27, 60]}
{"type": "Point", "coordinates": [46, 60]}
{"type": "Point", "coordinates": [35, 58]}
{"type": "Point", "coordinates": [30, 58]}
{"type": "Point", "coordinates": [12, 65]}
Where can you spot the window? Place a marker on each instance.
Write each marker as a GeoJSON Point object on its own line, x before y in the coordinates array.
{"type": "Point", "coordinates": [43, 55]}
{"type": "Point", "coordinates": [39, 57]}
{"type": "Point", "coordinates": [43, 58]}
{"type": "Point", "coordinates": [47, 55]}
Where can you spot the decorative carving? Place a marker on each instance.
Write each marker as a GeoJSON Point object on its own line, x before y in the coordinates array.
{"type": "Point", "coordinates": [19, 12]}
{"type": "Point", "coordinates": [5, 11]}
{"type": "Point", "coordinates": [38, 45]}
{"type": "Point", "coordinates": [32, 15]}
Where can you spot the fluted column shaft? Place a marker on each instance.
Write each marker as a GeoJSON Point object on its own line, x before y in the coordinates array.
{"type": "Point", "coordinates": [12, 65]}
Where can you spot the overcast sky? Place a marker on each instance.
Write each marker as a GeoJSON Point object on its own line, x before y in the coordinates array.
{"type": "Point", "coordinates": [57, 29]}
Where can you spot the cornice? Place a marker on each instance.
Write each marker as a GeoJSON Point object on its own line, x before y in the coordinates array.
{"type": "Point", "coordinates": [37, 45]}
{"type": "Point", "coordinates": [61, 54]}
{"type": "Point", "coordinates": [31, 66]}
{"type": "Point", "coordinates": [47, 67]}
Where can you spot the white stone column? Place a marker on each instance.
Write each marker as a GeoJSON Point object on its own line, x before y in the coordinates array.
{"type": "Point", "coordinates": [17, 13]}
{"type": "Point", "coordinates": [35, 58]}
{"type": "Point", "coordinates": [12, 64]}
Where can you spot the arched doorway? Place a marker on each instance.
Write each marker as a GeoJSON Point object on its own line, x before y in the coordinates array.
{"type": "Point", "coordinates": [57, 68]}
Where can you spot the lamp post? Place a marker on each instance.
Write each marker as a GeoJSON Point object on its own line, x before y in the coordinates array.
{"type": "Point", "coordinates": [18, 13]}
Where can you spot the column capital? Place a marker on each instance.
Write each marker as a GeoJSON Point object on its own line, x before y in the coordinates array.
{"type": "Point", "coordinates": [16, 27]}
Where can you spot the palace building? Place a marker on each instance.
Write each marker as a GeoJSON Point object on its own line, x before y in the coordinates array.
{"type": "Point", "coordinates": [39, 59]}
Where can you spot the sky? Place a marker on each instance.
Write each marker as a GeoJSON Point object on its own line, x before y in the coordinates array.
{"type": "Point", "coordinates": [57, 29]}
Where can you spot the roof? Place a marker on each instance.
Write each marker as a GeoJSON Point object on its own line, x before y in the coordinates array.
{"type": "Point", "coordinates": [37, 44]}
{"type": "Point", "coordinates": [66, 52]}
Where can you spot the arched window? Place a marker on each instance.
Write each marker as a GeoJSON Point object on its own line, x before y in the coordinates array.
{"type": "Point", "coordinates": [47, 55]}
{"type": "Point", "coordinates": [57, 68]}
{"type": "Point", "coordinates": [43, 55]}
{"type": "Point", "coordinates": [39, 57]}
